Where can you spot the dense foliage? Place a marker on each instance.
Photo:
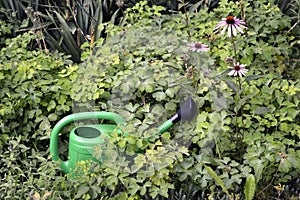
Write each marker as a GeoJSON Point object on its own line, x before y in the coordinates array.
{"type": "Point", "coordinates": [66, 25]}
{"type": "Point", "coordinates": [242, 144]}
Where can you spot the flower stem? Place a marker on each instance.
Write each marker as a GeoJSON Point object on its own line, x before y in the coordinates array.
{"type": "Point", "coordinates": [234, 49]}
{"type": "Point", "coordinates": [237, 99]}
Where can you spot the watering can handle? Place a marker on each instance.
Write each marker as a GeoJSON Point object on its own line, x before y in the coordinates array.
{"type": "Point", "coordinates": [78, 116]}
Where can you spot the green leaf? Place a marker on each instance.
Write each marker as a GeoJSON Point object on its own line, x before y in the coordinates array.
{"type": "Point", "coordinates": [45, 124]}
{"type": "Point", "coordinates": [250, 186]}
{"type": "Point", "coordinates": [230, 84]}
{"type": "Point", "coordinates": [111, 181]}
{"type": "Point", "coordinates": [258, 168]}
{"type": "Point", "coordinates": [171, 92]}
{"type": "Point", "coordinates": [170, 106]}
{"type": "Point", "coordinates": [159, 96]}
{"type": "Point", "coordinates": [253, 77]}
{"type": "Point", "coordinates": [284, 127]}
{"type": "Point", "coordinates": [52, 117]}
{"type": "Point", "coordinates": [139, 161]}
{"type": "Point", "coordinates": [261, 110]}
{"type": "Point", "coordinates": [285, 166]}
{"type": "Point", "coordinates": [218, 180]}
{"type": "Point", "coordinates": [149, 88]}
{"type": "Point", "coordinates": [51, 105]}
{"type": "Point", "coordinates": [81, 191]}
{"type": "Point", "coordinates": [187, 163]}
{"type": "Point", "coordinates": [220, 103]}
{"type": "Point", "coordinates": [122, 143]}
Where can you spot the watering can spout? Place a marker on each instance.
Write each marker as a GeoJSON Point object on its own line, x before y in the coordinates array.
{"type": "Point", "coordinates": [187, 112]}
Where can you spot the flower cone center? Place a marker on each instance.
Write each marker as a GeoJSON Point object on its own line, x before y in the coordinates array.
{"type": "Point", "coordinates": [198, 45]}
{"type": "Point", "coordinates": [237, 68]}
{"type": "Point", "coordinates": [230, 20]}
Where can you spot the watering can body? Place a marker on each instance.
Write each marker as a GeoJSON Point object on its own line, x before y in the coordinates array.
{"type": "Point", "coordinates": [83, 139]}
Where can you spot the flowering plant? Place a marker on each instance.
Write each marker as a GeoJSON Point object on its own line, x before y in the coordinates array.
{"type": "Point", "coordinates": [232, 24]}
{"type": "Point", "coordinates": [235, 25]}
{"type": "Point", "coordinates": [198, 47]}
{"type": "Point", "coordinates": [238, 70]}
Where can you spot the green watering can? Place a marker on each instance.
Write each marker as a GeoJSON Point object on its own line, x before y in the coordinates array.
{"type": "Point", "coordinates": [82, 139]}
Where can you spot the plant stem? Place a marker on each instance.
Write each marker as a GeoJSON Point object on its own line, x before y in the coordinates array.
{"type": "Point", "coordinates": [234, 49]}
{"type": "Point", "coordinates": [217, 148]}
{"type": "Point", "coordinates": [187, 20]}
{"type": "Point", "coordinates": [242, 10]}
{"type": "Point", "coordinates": [239, 113]}
{"type": "Point", "coordinates": [238, 88]}
{"type": "Point", "coordinates": [237, 98]}
{"type": "Point", "coordinates": [241, 108]}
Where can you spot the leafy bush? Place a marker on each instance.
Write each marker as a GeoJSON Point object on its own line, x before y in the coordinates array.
{"type": "Point", "coordinates": [34, 94]}
{"type": "Point", "coordinates": [143, 72]}
{"type": "Point", "coordinates": [32, 80]}
{"type": "Point", "coordinates": [246, 132]}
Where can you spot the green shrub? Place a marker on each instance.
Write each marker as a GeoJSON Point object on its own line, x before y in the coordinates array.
{"type": "Point", "coordinates": [33, 90]}
{"type": "Point", "coordinates": [143, 72]}
{"type": "Point", "coordinates": [34, 95]}
{"type": "Point", "coordinates": [246, 127]}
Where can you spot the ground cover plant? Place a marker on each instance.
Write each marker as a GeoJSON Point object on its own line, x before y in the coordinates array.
{"type": "Point", "coordinates": [243, 143]}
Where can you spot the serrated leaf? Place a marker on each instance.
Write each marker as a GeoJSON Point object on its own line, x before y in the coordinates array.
{"type": "Point", "coordinates": [139, 161]}
{"type": "Point", "coordinates": [189, 162]}
{"type": "Point", "coordinates": [149, 88]}
{"type": "Point", "coordinates": [131, 108]}
{"type": "Point", "coordinates": [45, 124]}
{"type": "Point", "coordinates": [158, 109]}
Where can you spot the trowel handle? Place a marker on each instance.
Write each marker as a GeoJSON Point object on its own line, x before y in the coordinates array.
{"type": "Point", "coordinates": [76, 117]}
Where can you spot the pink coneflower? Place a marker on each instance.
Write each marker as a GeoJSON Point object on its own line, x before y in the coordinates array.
{"type": "Point", "coordinates": [198, 47]}
{"type": "Point", "coordinates": [238, 69]}
{"type": "Point", "coordinates": [232, 24]}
